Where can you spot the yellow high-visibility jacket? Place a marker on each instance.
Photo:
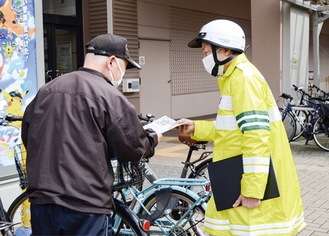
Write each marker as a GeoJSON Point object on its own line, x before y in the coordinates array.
{"type": "Point", "coordinates": [249, 123]}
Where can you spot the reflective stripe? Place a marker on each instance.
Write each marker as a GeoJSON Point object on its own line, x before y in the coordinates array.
{"type": "Point", "coordinates": [253, 120]}
{"type": "Point", "coordinates": [226, 122]}
{"type": "Point", "coordinates": [216, 224]}
{"type": "Point", "coordinates": [226, 103]}
{"type": "Point", "coordinates": [256, 160]}
{"type": "Point", "coordinates": [259, 229]}
{"type": "Point", "coordinates": [255, 116]}
{"type": "Point", "coordinates": [253, 125]}
{"type": "Point", "coordinates": [253, 169]}
{"type": "Point", "coordinates": [274, 114]}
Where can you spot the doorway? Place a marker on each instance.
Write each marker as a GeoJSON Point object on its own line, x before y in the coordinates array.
{"type": "Point", "coordinates": [63, 39]}
{"type": "Point", "coordinates": [62, 49]}
{"type": "Point", "coordinates": [155, 94]}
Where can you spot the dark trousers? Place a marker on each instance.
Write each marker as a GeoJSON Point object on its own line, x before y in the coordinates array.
{"type": "Point", "coordinates": [51, 219]}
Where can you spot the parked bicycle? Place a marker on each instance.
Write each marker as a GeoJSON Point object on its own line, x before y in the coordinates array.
{"type": "Point", "coordinates": [173, 206]}
{"type": "Point", "coordinates": [312, 124]}
{"type": "Point", "coordinates": [6, 225]}
{"type": "Point", "coordinates": [168, 205]}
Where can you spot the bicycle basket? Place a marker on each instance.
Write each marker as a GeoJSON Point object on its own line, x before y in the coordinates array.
{"type": "Point", "coordinates": [127, 175]}
{"type": "Point", "coordinates": [20, 162]}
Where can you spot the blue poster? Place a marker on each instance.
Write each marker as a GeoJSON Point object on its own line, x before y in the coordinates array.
{"type": "Point", "coordinates": [18, 69]}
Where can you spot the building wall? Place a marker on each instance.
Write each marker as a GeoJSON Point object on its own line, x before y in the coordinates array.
{"type": "Point", "coordinates": [192, 91]}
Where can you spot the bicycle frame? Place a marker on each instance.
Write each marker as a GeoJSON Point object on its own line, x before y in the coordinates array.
{"type": "Point", "coordinates": [178, 184]}
{"type": "Point", "coordinates": [311, 109]}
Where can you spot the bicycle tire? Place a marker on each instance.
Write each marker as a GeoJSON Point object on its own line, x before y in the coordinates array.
{"type": "Point", "coordinates": [289, 123]}
{"type": "Point", "coordinates": [303, 117]}
{"type": "Point", "coordinates": [5, 224]}
{"type": "Point", "coordinates": [321, 136]}
{"type": "Point", "coordinates": [201, 172]}
{"type": "Point", "coordinates": [14, 210]}
{"type": "Point", "coordinates": [129, 222]}
{"type": "Point", "coordinates": [193, 227]}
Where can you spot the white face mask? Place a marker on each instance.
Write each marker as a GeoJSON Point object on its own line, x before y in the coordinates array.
{"type": "Point", "coordinates": [118, 82]}
{"type": "Point", "coordinates": [209, 64]}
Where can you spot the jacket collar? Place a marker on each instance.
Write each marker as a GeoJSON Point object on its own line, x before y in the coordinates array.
{"type": "Point", "coordinates": [95, 72]}
{"type": "Point", "coordinates": [236, 61]}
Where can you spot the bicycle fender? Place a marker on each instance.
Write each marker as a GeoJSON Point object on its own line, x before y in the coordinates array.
{"type": "Point", "coordinates": [178, 188]}
{"type": "Point", "coordinates": [131, 217]}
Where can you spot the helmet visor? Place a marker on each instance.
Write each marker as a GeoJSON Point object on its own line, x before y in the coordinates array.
{"type": "Point", "coordinates": [196, 42]}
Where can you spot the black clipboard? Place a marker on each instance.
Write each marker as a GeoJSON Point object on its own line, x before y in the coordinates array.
{"type": "Point", "coordinates": [225, 178]}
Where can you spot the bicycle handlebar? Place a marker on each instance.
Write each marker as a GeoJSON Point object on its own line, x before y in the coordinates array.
{"type": "Point", "coordinates": [9, 118]}
{"type": "Point", "coordinates": [286, 96]}
{"type": "Point", "coordinates": [148, 117]}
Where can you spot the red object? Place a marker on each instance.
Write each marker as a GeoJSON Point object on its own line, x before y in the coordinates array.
{"type": "Point", "coordinates": [145, 224]}
{"type": "Point", "coordinates": [208, 187]}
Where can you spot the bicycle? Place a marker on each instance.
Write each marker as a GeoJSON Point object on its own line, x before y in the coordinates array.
{"type": "Point", "coordinates": [129, 219]}
{"type": "Point", "coordinates": [303, 110]}
{"type": "Point", "coordinates": [313, 127]}
{"type": "Point", "coordinates": [173, 206]}
{"type": "Point", "coordinates": [168, 205]}
{"type": "Point", "coordinates": [7, 226]}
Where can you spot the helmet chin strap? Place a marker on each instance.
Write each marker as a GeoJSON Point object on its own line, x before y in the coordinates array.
{"type": "Point", "coordinates": [214, 71]}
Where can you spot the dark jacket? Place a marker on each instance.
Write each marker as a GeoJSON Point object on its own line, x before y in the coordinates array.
{"type": "Point", "coordinates": [71, 130]}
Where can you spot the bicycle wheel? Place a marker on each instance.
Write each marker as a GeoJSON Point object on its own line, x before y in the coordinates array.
{"type": "Point", "coordinates": [304, 118]}
{"type": "Point", "coordinates": [289, 124]}
{"type": "Point", "coordinates": [200, 172]}
{"type": "Point", "coordinates": [191, 224]}
{"type": "Point", "coordinates": [5, 224]}
{"type": "Point", "coordinates": [15, 212]}
{"type": "Point", "coordinates": [125, 221]}
{"type": "Point", "coordinates": [321, 134]}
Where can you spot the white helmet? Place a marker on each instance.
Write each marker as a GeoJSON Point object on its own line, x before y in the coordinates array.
{"type": "Point", "coordinates": [221, 33]}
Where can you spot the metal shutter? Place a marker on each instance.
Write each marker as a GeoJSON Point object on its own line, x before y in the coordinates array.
{"type": "Point", "coordinates": [125, 25]}
{"type": "Point", "coordinates": [187, 73]}
{"type": "Point", "coordinates": [95, 16]}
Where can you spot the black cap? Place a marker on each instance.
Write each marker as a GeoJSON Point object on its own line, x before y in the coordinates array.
{"type": "Point", "coordinates": [111, 45]}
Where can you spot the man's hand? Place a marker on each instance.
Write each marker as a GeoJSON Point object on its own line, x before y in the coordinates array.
{"type": "Point", "coordinates": [247, 202]}
{"type": "Point", "coordinates": [187, 127]}
{"type": "Point", "coordinates": [159, 137]}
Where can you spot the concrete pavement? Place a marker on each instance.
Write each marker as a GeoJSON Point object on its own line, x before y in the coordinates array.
{"type": "Point", "coordinates": [312, 165]}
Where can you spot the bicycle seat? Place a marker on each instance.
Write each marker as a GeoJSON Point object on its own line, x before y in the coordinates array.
{"type": "Point", "coordinates": [186, 139]}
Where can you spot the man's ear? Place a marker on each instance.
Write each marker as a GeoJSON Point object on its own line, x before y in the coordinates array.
{"type": "Point", "coordinates": [227, 52]}
{"type": "Point", "coordinates": [109, 61]}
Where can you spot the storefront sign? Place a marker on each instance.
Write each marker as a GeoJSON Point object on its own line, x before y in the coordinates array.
{"type": "Point", "coordinates": [18, 70]}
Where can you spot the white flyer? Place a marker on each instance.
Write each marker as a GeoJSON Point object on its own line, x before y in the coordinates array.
{"type": "Point", "coordinates": [162, 125]}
